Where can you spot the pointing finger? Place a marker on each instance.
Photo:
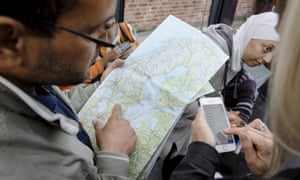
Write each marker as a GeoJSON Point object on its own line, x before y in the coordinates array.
{"type": "Point", "coordinates": [116, 112]}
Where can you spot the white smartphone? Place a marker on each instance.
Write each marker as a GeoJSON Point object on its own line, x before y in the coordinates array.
{"type": "Point", "coordinates": [124, 46]}
{"type": "Point", "coordinates": [217, 119]}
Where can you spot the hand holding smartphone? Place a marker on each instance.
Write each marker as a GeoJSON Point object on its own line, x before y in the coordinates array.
{"type": "Point", "coordinates": [124, 46]}
{"type": "Point", "coordinates": [217, 120]}
{"type": "Point", "coordinates": [126, 49]}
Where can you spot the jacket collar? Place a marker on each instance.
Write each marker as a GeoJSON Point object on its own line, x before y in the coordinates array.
{"type": "Point", "coordinates": [66, 124]}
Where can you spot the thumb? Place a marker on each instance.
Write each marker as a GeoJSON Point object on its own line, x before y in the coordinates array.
{"type": "Point", "coordinates": [231, 117]}
{"type": "Point", "coordinates": [201, 114]}
{"type": "Point", "coordinates": [115, 64]}
{"type": "Point", "coordinates": [200, 118]}
{"type": "Point", "coordinates": [98, 126]}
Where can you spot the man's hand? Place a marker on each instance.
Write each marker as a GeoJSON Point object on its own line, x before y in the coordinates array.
{"type": "Point", "coordinates": [200, 129]}
{"type": "Point", "coordinates": [235, 119]}
{"type": "Point", "coordinates": [257, 143]}
{"type": "Point", "coordinates": [117, 135]}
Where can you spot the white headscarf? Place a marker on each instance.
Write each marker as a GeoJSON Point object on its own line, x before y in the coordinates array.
{"type": "Point", "coordinates": [260, 26]}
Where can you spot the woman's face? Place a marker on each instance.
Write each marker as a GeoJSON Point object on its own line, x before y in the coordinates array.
{"type": "Point", "coordinates": [259, 52]}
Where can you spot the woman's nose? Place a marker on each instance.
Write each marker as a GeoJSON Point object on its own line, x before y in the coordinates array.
{"type": "Point", "coordinates": [268, 57]}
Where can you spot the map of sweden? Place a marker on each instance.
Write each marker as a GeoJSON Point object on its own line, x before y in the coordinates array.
{"type": "Point", "coordinates": [153, 87]}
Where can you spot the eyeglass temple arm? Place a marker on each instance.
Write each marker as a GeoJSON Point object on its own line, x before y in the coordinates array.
{"type": "Point", "coordinates": [97, 41]}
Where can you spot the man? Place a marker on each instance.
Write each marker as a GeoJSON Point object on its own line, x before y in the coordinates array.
{"type": "Point", "coordinates": [53, 42]}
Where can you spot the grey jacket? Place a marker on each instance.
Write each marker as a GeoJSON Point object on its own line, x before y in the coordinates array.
{"type": "Point", "coordinates": [222, 34]}
{"type": "Point", "coordinates": [37, 144]}
{"type": "Point", "coordinates": [79, 94]}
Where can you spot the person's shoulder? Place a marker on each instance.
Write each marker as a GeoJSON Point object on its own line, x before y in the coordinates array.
{"type": "Point", "coordinates": [220, 29]}
{"type": "Point", "coordinates": [222, 34]}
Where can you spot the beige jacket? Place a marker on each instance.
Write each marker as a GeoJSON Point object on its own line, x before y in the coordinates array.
{"type": "Point", "coordinates": [36, 144]}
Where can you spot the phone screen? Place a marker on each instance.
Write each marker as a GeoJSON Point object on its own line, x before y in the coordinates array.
{"type": "Point", "coordinates": [124, 46]}
{"type": "Point", "coordinates": [217, 121]}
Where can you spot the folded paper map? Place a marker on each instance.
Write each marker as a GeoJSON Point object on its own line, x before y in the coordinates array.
{"type": "Point", "coordinates": [158, 80]}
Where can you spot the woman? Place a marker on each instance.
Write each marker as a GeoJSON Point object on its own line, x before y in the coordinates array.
{"type": "Point", "coordinates": [252, 44]}
{"type": "Point", "coordinates": [267, 154]}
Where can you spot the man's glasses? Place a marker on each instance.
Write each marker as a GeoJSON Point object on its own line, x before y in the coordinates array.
{"type": "Point", "coordinates": [97, 41]}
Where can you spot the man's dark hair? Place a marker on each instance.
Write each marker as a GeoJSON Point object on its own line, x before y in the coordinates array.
{"type": "Point", "coordinates": [29, 12]}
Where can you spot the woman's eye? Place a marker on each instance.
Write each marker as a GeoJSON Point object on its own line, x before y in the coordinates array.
{"type": "Point", "coordinates": [267, 49]}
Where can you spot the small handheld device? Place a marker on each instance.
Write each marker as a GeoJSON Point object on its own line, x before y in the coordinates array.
{"type": "Point", "coordinates": [124, 46]}
{"type": "Point", "coordinates": [217, 120]}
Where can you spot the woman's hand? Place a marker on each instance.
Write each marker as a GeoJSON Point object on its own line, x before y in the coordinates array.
{"type": "Point", "coordinates": [111, 55]}
{"type": "Point", "coordinates": [115, 64]}
{"type": "Point", "coordinates": [257, 142]}
{"type": "Point", "coordinates": [235, 119]}
{"type": "Point", "coordinates": [125, 53]}
{"type": "Point", "coordinates": [200, 129]}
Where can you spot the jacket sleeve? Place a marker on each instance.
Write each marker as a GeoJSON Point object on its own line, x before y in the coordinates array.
{"type": "Point", "coordinates": [200, 162]}
{"type": "Point", "coordinates": [245, 99]}
{"type": "Point", "coordinates": [79, 94]}
{"type": "Point", "coordinates": [112, 166]}
{"type": "Point", "coordinates": [239, 95]}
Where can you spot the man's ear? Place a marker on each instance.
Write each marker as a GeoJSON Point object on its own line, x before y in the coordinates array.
{"type": "Point", "coordinates": [11, 42]}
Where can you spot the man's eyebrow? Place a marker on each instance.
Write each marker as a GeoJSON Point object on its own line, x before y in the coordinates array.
{"type": "Point", "coordinates": [97, 26]}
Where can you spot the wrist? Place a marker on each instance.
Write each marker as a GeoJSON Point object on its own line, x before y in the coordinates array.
{"type": "Point", "coordinates": [103, 61]}
{"type": "Point", "coordinates": [114, 150]}
{"type": "Point", "coordinates": [112, 163]}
